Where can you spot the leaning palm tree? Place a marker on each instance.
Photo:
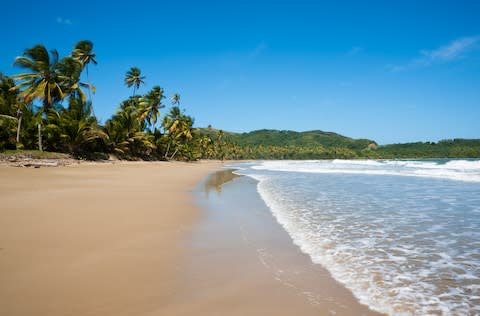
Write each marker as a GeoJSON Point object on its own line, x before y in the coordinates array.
{"type": "Point", "coordinates": [183, 133]}
{"type": "Point", "coordinates": [70, 70]}
{"type": "Point", "coordinates": [83, 52]}
{"type": "Point", "coordinates": [178, 127]}
{"type": "Point", "coordinates": [169, 124]}
{"type": "Point", "coordinates": [134, 78]}
{"type": "Point", "coordinates": [44, 81]}
{"type": "Point", "coordinates": [176, 99]}
{"type": "Point", "coordinates": [151, 104]}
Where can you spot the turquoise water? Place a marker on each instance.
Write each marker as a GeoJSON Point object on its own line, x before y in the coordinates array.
{"type": "Point", "coordinates": [403, 236]}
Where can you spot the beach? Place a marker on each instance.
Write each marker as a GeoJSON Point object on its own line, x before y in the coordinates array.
{"type": "Point", "coordinates": [94, 239]}
{"type": "Point", "coordinates": [136, 239]}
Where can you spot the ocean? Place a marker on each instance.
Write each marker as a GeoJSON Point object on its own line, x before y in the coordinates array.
{"type": "Point", "coordinates": [403, 236]}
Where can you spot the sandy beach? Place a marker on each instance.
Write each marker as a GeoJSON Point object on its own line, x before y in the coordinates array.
{"type": "Point", "coordinates": [97, 239]}
{"type": "Point", "coordinates": [133, 239]}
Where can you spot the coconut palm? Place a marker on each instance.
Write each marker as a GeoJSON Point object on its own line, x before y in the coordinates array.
{"type": "Point", "coordinates": [9, 105]}
{"type": "Point", "coordinates": [128, 120]}
{"type": "Point", "coordinates": [8, 98]}
{"type": "Point", "coordinates": [151, 104]}
{"type": "Point", "coordinates": [83, 52]}
{"type": "Point", "coordinates": [44, 82]}
{"type": "Point", "coordinates": [124, 131]}
{"type": "Point", "coordinates": [176, 99]}
{"type": "Point", "coordinates": [169, 124]}
{"type": "Point", "coordinates": [70, 70]}
{"type": "Point", "coordinates": [178, 127]}
{"type": "Point", "coordinates": [134, 78]}
{"type": "Point", "coordinates": [220, 144]}
{"type": "Point", "coordinates": [75, 129]}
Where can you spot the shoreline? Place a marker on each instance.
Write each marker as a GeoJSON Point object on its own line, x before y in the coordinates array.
{"type": "Point", "coordinates": [243, 261]}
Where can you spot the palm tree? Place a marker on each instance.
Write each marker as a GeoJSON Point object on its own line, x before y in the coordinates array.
{"type": "Point", "coordinates": [151, 104]}
{"type": "Point", "coordinates": [70, 70]}
{"type": "Point", "coordinates": [83, 52]}
{"type": "Point", "coordinates": [8, 98]}
{"type": "Point", "coordinates": [75, 128]}
{"type": "Point", "coordinates": [49, 81]}
{"type": "Point", "coordinates": [128, 120]}
{"type": "Point", "coordinates": [134, 78]}
{"type": "Point", "coordinates": [44, 82]}
{"type": "Point", "coordinates": [220, 144]}
{"type": "Point", "coordinates": [9, 105]}
{"type": "Point", "coordinates": [176, 99]}
{"type": "Point", "coordinates": [124, 131]}
{"type": "Point", "coordinates": [179, 129]}
{"type": "Point", "coordinates": [169, 124]}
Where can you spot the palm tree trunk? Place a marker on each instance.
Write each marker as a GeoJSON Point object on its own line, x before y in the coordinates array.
{"type": "Point", "coordinates": [168, 149]}
{"type": "Point", "coordinates": [90, 92]}
{"type": "Point", "coordinates": [40, 137]}
{"type": "Point", "coordinates": [19, 126]}
{"type": "Point", "coordinates": [174, 153]}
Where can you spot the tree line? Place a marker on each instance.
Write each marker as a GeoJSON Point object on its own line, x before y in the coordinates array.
{"type": "Point", "coordinates": [49, 107]}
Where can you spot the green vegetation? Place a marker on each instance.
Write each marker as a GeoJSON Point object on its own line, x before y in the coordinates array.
{"type": "Point", "coordinates": [455, 148]}
{"type": "Point", "coordinates": [47, 108]}
{"type": "Point", "coordinates": [274, 144]}
{"type": "Point", "coordinates": [303, 139]}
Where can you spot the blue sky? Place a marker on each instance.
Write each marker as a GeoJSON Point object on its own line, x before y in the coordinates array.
{"type": "Point", "coordinates": [392, 71]}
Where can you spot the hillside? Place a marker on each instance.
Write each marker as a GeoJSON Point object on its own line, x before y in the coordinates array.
{"type": "Point", "coordinates": [284, 138]}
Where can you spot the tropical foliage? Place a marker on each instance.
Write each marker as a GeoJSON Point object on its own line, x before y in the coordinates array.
{"type": "Point", "coordinates": [46, 107]}
{"type": "Point", "coordinates": [134, 78]}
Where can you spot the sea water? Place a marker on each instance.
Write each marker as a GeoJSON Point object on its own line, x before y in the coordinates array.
{"type": "Point", "coordinates": [403, 236]}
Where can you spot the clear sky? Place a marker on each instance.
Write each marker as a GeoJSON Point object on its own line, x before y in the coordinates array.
{"type": "Point", "coordinates": [392, 71]}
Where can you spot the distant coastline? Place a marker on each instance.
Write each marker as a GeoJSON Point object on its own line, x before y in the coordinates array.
{"type": "Point", "coordinates": [278, 145]}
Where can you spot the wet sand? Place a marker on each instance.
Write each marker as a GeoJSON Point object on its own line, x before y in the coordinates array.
{"type": "Point", "coordinates": [244, 263]}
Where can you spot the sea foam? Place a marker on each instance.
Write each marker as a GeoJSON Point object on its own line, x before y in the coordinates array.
{"type": "Point", "coordinates": [402, 239]}
{"type": "Point", "coordinates": [462, 170]}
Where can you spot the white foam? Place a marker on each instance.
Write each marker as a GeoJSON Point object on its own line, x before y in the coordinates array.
{"type": "Point", "coordinates": [459, 170]}
{"type": "Point", "coordinates": [371, 256]}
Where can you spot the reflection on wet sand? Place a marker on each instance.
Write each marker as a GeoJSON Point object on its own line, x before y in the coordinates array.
{"type": "Point", "coordinates": [215, 181]}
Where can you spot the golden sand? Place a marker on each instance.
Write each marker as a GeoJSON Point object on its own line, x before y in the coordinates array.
{"type": "Point", "coordinates": [96, 239]}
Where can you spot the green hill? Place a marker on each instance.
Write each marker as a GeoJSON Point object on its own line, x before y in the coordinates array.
{"type": "Point", "coordinates": [283, 138]}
